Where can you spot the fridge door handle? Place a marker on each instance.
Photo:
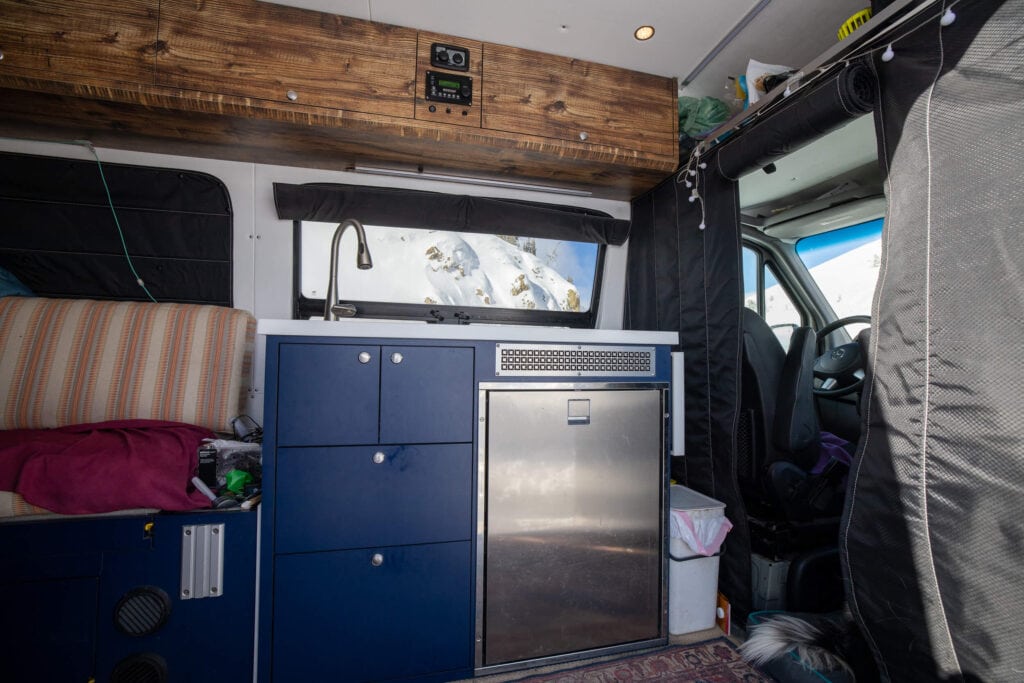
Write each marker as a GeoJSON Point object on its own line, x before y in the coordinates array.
{"type": "Point", "coordinates": [579, 411]}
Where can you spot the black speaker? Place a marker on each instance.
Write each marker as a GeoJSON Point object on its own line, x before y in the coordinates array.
{"type": "Point", "coordinates": [142, 611]}
{"type": "Point", "coordinates": [144, 667]}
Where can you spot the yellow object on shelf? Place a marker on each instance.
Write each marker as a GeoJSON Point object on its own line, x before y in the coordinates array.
{"type": "Point", "coordinates": [853, 23]}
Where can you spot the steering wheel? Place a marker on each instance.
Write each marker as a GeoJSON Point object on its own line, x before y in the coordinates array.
{"type": "Point", "coordinates": [840, 363]}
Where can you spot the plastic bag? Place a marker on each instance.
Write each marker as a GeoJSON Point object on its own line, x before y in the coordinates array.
{"type": "Point", "coordinates": [756, 74]}
{"type": "Point", "coordinates": [704, 533]}
{"type": "Point", "coordinates": [699, 115]}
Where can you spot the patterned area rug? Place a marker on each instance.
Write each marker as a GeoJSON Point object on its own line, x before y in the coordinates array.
{"type": "Point", "coordinates": [712, 661]}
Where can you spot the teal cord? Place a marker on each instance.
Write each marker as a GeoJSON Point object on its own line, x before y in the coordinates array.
{"type": "Point", "coordinates": [113, 211]}
{"type": "Point", "coordinates": [110, 202]}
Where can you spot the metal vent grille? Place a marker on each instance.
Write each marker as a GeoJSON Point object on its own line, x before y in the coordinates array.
{"type": "Point", "coordinates": [142, 611]}
{"type": "Point", "coordinates": [573, 360]}
{"type": "Point", "coordinates": [146, 667]}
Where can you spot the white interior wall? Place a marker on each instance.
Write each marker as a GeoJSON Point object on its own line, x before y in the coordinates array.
{"type": "Point", "coordinates": [262, 280]}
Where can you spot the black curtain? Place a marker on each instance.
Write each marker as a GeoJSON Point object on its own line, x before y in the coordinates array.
{"type": "Point", "coordinates": [686, 279]}
{"type": "Point", "coordinates": [437, 211]}
{"type": "Point", "coordinates": [60, 238]}
{"type": "Point", "coordinates": [932, 529]}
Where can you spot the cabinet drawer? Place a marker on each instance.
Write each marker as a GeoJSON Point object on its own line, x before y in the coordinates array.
{"type": "Point", "coordinates": [340, 617]}
{"type": "Point", "coordinates": [327, 394]}
{"type": "Point", "coordinates": [330, 498]}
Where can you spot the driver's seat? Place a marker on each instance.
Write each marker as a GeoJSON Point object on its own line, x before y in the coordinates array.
{"type": "Point", "coordinates": [777, 461]}
{"type": "Point", "coordinates": [793, 512]}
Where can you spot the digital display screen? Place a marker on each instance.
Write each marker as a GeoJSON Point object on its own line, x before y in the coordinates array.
{"type": "Point", "coordinates": [448, 84]}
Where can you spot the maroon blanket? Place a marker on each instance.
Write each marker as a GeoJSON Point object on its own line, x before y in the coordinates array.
{"type": "Point", "coordinates": [104, 466]}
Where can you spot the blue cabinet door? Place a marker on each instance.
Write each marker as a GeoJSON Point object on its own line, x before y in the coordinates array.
{"type": "Point", "coordinates": [327, 394]}
{"type": "Point", "coordinates": [360, 496]}
{"type": "Point", "coordinates": [427, 394]}
{"type": "Point", "coordinates": [341, 616]}
{"type": "Point", "coordinates": [48, 629]}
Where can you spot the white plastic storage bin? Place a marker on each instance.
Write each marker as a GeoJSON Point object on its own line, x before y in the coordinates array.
{"type": "Point", "coordinates": [692, 578]}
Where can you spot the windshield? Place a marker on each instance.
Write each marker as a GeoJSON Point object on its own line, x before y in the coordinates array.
{"type": "Point", "coordinates": [844, 263]}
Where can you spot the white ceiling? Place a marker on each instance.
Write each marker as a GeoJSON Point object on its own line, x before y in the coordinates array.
{"type": "Point", "coordinates": [788, 32]}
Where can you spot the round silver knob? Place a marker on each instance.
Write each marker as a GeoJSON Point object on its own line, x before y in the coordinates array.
{"type": "Point", "coordinates": [378, 458]}
{"type": "Point", "coordinates": [377, 560]}
{"type": "Point", "coordinates": [292, 95]}
{"type": "Point", "coordinates": [364, 357]}
{"type": "Point", "coordinates": [584, 136]}
{"type": "Point", "coordinates": [1, 55]}
{"type": "Point", "coordinates": [396, 358]}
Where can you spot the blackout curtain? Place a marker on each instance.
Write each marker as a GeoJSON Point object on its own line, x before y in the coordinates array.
{"type": "Point", "coordinates": [933, 528]}
{"type": "Point", "coordinates": [682, 278]}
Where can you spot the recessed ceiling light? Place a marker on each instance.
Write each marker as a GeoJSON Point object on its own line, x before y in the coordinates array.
{"type": "Point", "coordinates": [644, 32]}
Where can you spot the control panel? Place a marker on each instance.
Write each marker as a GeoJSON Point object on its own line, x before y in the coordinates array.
{"type": "Point", "coordinates": [449, 57]}
{"type": "Point", "coordinates": [449, 88]}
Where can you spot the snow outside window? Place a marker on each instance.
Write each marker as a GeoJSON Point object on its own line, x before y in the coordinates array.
{"type": "Point", "coordinates": [435, 267]}
{"type": "Point", "coordinates": [779, 311]}
{"type": "Point", "coordinates": [844, 263]}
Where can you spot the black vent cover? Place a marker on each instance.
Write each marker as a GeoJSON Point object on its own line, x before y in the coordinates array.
{"type": "Point", "coordinates": [142, 611]}
{"type": "Point", "coordinates": [144, 667]}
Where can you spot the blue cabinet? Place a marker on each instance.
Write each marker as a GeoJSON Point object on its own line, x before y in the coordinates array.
{"type": "Point", "coordinates": [66, 586]}
{"type": "Point", "coordinates": [328, 394]}
{"type": "Point", "coordinates": [373, 613]}
{"type": "Point", "coordinates": [368, 511]}
{"type": "Point", "coordinates": [359, 496]}
{"type": "Point", "coordinates": [344, 394]}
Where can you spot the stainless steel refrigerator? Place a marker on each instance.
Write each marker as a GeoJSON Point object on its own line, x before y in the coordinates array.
{"type": "Point", "coordinates": [571, 522]}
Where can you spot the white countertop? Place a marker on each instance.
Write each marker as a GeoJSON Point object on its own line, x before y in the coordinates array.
{"type": "Point", "coordinates": [396, 329]}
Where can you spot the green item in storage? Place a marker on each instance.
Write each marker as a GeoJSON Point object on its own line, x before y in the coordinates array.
{"type": "Point", "coordinates": [698, 115]}
{"type": "Point", "coordinates": [236, 480]}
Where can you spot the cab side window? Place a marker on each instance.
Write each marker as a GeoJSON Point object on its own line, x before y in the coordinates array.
{"type": "Point", "coordinates": [765, 294]}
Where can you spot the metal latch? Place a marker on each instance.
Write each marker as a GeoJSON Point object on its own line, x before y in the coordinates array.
{"type": "Point", "coordinates": [202, 561]}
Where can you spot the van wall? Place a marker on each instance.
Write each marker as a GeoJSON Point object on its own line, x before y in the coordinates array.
{"type": "Point", "coordinates": [263, 243]}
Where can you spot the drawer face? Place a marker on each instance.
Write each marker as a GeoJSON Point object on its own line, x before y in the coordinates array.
{"type": "Point", "coordinates": [327, 395]}
{"type": "Point", "coordinates": [338, 617]}
{"type": "Point", "coordinates": [427, 395]}
{"type": "Point", "coordinates": [330, 498]}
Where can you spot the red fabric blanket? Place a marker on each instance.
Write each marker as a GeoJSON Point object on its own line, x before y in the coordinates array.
{"type": "Point", "coordinates": [104, 466]}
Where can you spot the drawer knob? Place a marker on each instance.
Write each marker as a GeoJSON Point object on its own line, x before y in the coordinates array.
{"type": "Point", "coordinates": [396, 358]}
{"type": "Point", "coordinates": [364, 357]}
{"type": "Point", "coordinates": [378, 458]}
{"type": "Point", "coordinates": [1, 55]}
{"type": "Point", "coordinates": [292, 95]}
{"type": "Point", "coordinates": [377, 560]}
{"type": "Point", "coordinates": [584, 136]}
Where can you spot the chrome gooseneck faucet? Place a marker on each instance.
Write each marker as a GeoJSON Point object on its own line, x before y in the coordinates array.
{"type": "Point", "coordinates": [333, 309]}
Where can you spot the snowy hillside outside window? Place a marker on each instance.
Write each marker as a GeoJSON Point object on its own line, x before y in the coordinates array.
{"type": "Point", "coordinates": [439, 268]}
{"type": "Point", "coordinates": [845, 263]}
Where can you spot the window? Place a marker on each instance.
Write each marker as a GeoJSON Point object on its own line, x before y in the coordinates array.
{"type": "Point", "coordinates": [844, 263]}
{"type": "Point", "coordinates": [435, 274]}
{"type": "Point", "coordinates": [763, 293]}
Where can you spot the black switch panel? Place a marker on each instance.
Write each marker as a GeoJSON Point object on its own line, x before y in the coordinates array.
{"type": "Point", "coordinates": [449, 57]}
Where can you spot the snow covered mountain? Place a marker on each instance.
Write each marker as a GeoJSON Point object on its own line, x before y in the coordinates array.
{"type": "Point", "coordinates": [436, 267]}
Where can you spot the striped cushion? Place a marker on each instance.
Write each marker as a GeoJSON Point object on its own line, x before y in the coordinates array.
{"type": "Point", "coordinates": [71, 361]}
